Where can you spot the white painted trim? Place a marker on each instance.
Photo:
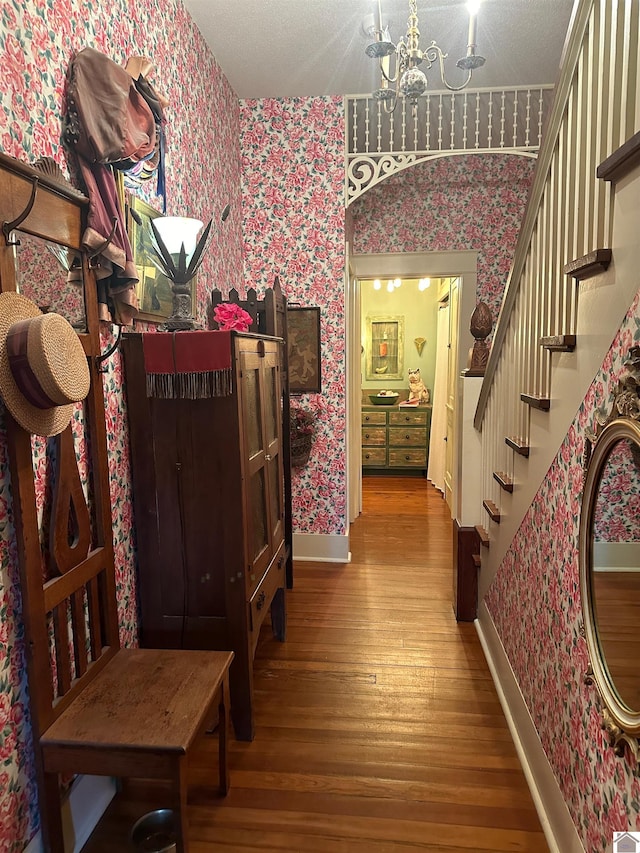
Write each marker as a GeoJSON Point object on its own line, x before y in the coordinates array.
{"type": "Point", "coordinates": [615, 556]}
{"type": "Point", "coordinates": [557, 824]}
{"type": "Point", "coordinates": [321, 548]}
{"type": "Point", "coordinates": [87, 802]}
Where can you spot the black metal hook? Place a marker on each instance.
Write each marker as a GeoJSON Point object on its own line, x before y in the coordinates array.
{"type": "Point", "coordinates": [8, 227]}
{"type": "Point", "coordinates": [94, 254]}
{"type": "Point", "coordinates": [105, 355]}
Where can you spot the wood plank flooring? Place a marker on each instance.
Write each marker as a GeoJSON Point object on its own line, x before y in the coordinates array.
{"type": "Point", "coordinates": [378, 726]}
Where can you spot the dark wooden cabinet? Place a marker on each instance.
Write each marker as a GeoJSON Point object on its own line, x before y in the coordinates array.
{"type": "Point", "coordinates": [208, 497]}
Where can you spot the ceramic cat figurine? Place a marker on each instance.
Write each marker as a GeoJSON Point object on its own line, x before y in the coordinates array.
{"type": "Point", "coordinates": [417, 389]}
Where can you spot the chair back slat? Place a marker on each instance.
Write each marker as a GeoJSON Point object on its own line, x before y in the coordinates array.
{"type": "Point", "coordinates": [79, 623]}
{"type": "Point", "coordinates": [61, 650]}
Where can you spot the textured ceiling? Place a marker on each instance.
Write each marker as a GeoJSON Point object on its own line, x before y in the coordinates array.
{"type": "Point", "coordinates": [288, 48]}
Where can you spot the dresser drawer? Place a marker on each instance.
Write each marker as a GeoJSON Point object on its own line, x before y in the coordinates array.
{"type": "Point", "coordinates": [407, 437]}
{"type": "Point", "coordinates": [376, 456]}
{"type": "Point", "coordinates": [400, 457]}
{"type": "Point", "coordinates": [412, 417]}
{"type": "Point", "coordinates": [374, 418]}
{"type": "Point", "coordinates": [374, 436]}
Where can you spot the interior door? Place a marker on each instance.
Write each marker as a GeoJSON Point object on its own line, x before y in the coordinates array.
{"type": "Point", "coordinates": [259, 388]}
{"type": "Point", "coordinates": [452, 385]}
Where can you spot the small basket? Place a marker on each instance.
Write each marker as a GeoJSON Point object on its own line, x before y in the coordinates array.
{"type": "Point", "coordinates": [300, 449]}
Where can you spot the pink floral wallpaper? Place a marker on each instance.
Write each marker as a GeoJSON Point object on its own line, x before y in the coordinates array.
{"type": "Point", "coordinates": [535, 604]}
{"type": "Point", "coordinates": [294, 227]}
{"type": "Point", "coordinates": [37, 41]}
{"type": "Point", "coordinates": [617, 511]}
{"type": "Point", "coordinates": [453, 204]}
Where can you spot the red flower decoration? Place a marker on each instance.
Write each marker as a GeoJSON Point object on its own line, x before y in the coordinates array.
{"type": "Point", "coordinates": [230, 316]}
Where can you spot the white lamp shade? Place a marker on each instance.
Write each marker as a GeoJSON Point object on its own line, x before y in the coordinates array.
{"type": "Point", "coordinates": [178, 231]}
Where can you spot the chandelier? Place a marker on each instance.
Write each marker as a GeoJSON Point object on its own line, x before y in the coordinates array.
{"type": "Point", "coordinates": [406, 79]}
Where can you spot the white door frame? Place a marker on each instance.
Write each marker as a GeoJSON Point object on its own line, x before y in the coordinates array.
{"type": "Point", "coordinates": [403, 265]}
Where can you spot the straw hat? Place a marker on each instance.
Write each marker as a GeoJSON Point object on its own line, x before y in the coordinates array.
{"type": "Point", "coordinates": [43, 367]}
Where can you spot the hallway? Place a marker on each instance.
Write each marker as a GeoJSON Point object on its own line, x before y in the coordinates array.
{"type": "Point", "coordinates": [378, 727]}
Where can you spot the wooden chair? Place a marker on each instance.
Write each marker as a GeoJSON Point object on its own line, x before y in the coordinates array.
{"type": "Point", "coordinates": [269, 316]}
{"type": "Point", "coordinates": [96, 708]}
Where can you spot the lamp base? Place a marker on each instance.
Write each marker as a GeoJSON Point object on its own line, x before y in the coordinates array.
{"type": "Point", "coordinates": [180, 319]}
{"type": "Point", "coordinates": [179, 324]}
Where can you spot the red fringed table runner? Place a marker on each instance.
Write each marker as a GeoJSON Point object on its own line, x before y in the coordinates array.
{"type": "Point", "coordinates": [187, 365]}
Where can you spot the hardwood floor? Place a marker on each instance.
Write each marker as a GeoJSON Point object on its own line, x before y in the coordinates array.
{"type": "Point", "coordinates": [378, 726]}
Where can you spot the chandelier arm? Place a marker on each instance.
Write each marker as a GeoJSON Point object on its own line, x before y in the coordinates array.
{"type": "Point", "coordinates": [385, 76]}
{"type": "Point", "coordinates": [436, 53]}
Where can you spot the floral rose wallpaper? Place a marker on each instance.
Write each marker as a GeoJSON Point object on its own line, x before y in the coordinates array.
{"type": "Point", "coordinates": [452, 204]}
{"type": "Point", "coordinates": [37, 41]}
{"type": "Point", "coordinates": [294, 227]}
{"type": "Point", "coordinates": [619, 487]}
{"type": "Point", "coordinates": [280, 166]}
{"type": "Point", "coordinates": [535, 604]}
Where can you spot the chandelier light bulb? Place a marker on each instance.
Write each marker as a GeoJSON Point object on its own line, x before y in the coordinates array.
{"type": "Point", "coordinates": [377, 284]}
{"type": "Point", "coordinates": [473, 6]}
{"type": "Point", "coordinates": [397, 282]}
{"type": "Point", "coordinates": [390, 286]}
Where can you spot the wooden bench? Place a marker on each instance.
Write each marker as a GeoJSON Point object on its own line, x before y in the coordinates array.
{"type": "Point", "coordinates": [96, 708]}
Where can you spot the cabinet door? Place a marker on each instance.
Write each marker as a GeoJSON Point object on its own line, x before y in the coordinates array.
{"type": "Point", "coordinates": [259, 389]}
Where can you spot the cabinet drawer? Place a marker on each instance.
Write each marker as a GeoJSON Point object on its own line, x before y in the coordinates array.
{"type": "Point", "coordinates": [407, 458]}
{"type": "Point", "coordinates": [261, 599]}
{"type": "Point", "coordinates": [414, 417]}
{"type": "Point", "coordinates": [409, 437]}
{"type": "Point", "coordinates": [374, 456]}
{"type": "Point", "coordinates": [374, 418]}
{"type": "Point", "coordinates": [374, 435]}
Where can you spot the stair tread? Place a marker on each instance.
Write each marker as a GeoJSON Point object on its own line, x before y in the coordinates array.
{"type": "Point", "coordinates": [536, 401]}
{"type": "Point", "coordinates": [492, 510]}
{"type": "Point", "coordinates": [505, 481]}
{"type": "Point", "coordinates": [483, 535]}
{"type": "Point", "coordinates": [558, 343]}
{"type": "Point", "coordinates": [518, 444]}
{"type": "Point", "coordinates": [621, 161]}
{"type": "Point", "coordinates": [588, 265]}
{"type": "Point", "coordinates": [477, 560]}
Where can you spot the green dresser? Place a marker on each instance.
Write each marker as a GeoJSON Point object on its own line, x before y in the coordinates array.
{"type": "Point", "coordinates": [395, 437]}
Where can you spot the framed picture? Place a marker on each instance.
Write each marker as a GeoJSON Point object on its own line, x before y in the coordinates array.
{"type": "Point", "coordinates": [385, 348]}
{"type": "Point", "coordinates": [303, 329]}
{"type": "Point", "coordinates": [155, 299]}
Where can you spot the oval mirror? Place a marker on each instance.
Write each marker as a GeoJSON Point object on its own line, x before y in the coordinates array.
{"type": "Point", "coordinates": [610, 576]}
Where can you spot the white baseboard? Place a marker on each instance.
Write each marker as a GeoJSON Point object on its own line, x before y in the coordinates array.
{"type": "Point", "coordinates": [321, 548]}
{"type": "Point", "coordinates": [87, 802]}
{"type": "Point", "coordinates": [557, 824]}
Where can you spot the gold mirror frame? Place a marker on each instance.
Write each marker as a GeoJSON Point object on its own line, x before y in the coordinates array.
{"type": "Point", "coordinates": [620, 722]}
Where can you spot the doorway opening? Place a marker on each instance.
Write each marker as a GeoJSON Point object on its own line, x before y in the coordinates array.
{"type": "Point", "coordinates": [383, 339]}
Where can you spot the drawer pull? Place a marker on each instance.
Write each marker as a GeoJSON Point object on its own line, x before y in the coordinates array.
{"type": "Point", "coordinates": [407, 458]}
{"type": "Point", "coordinates": [366, 435]}
{"type": "Point", "coordinates": [261, 600]}
{"type": "Point", "coordinates": [407, 418]}
{"type": "Point", "coordinates": [367, 418]}
{"type": "Point", "coordinates": [407, 437]}
{"type": "Point", "coordinates": [367, 456]}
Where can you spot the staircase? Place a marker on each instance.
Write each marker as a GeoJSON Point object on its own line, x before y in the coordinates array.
{"type": "Point", "coordinates": [563, 302]}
